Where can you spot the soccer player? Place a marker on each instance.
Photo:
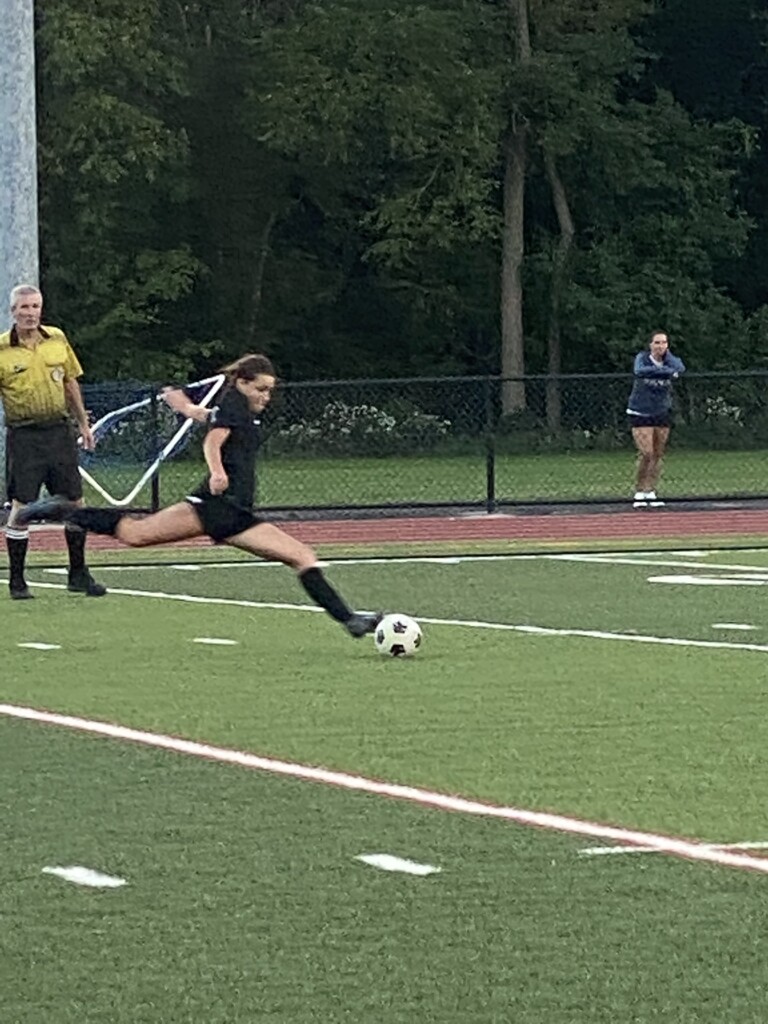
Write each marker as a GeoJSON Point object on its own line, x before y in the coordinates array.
{"type": "Point", "coordinates": [39, 390]}
{"type": "Point", "coordinates": [650, 413]}
{"type": "Point", "coordinates": [221, 507]}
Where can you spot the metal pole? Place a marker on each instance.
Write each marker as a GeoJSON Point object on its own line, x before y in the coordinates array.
{"type": "Point", "coordinates": [18, 161]}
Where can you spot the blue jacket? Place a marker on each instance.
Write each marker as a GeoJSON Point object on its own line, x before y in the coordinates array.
{"type": "Point", "coordinates": [652, 391]}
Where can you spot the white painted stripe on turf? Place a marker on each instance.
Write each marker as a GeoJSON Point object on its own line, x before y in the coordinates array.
{"type": "Point", "coordinates": [712, 581]}
{"type": "Point", "coordinates": [689, 849]}
{"type": "Point", "coordinates": [733, 625]}
{"type": "Point", "coordinates": [86, 876]}
{"type": "Point", "coordinates": [604, 558]}
{"type": "Point", "coordinates": [215, 640]}
{"type": "Point", "coordinates": [41, 647]}
{"type": "Point", "coordinates": [596, 634]}
{"type": "Point", "coordinates": [589, 634]}
{"type": "Point", "coordinates": [649, 559]}
{"type": "Point", "coordinates": [603, 851]}
{"type": "Point", "coordinates": [388, 862]}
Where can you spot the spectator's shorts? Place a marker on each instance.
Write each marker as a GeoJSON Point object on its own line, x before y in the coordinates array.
{"type": "Point", "coordinates": [664, 420]}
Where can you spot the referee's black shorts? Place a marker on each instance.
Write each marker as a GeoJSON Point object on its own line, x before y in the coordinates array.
{"type": "Point", "coordinates": [221, 517]}
{"type": "Point", "coordinates": [40, 454]}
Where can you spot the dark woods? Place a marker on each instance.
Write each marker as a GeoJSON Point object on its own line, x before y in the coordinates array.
{"type": "Point", "coordinates": [368, 188]}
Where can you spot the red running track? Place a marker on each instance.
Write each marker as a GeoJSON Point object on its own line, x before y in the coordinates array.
{"type": "Point", "coordinates": [598, 526]}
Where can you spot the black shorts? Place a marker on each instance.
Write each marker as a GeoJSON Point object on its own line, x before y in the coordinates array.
{"type": "Point", "coordinates": [222, 518]}
{"type": "Point", "coordinates": [664, 420]}
{"type": "Point", "coordinates": [42, 454]}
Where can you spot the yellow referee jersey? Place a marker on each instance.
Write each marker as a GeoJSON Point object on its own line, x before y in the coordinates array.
{"type": "Point", "coordinates": [32, 379]}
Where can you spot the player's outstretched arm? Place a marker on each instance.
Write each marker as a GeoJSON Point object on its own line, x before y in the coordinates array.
{"type": "Point", "coordinates": [181, 403]}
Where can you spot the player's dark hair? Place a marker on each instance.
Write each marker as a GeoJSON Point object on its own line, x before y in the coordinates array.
{"type": "Point", "coordinates": [248, 367]}
{"type": "Point", "coordinates": [653, 334]}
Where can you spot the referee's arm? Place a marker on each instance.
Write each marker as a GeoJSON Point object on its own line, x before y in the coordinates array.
{"type": "Point", "coordinates": [75, 403]}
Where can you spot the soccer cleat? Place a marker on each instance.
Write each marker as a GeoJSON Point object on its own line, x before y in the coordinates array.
{"type": "Point", "coordinates": [81, 582]}
{"type": "Point", "coordinates": [363, 623]}
{"type": "Point", "coordinates": [640, 500]}
{"type": "Point", "coordinates": [653, 501]}
{"type": "Point", "coordinates": [20, 592]}
{"type": "Point", "coordinates": [46, 510]}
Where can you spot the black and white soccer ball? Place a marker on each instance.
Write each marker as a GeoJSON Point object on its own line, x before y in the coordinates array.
{"type": "Point", "coordinates": [397, 636]}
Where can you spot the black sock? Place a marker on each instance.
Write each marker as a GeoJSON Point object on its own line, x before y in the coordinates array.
{"type": "Point", "coordinates": [322, 593]}
{"type": "Point", "coordinates": [75, 538]}
{"type": "Point", "coordinates": [96, 520]}
{"type": "Point", "coordinates": [16, 541]}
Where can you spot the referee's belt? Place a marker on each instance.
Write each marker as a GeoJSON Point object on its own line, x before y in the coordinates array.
{"type": "Point", "coordinates": [39, 424]}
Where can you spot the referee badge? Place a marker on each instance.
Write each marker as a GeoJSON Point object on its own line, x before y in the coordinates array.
{"type": "Point", "coordinates": [57, 374]}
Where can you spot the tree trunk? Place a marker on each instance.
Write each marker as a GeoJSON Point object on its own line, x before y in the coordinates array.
{"type": "Point", "coordinates": [513, 246]}
{"type": "Point", "coordinates": [560, 260]}
{"type": "Point", "coordinates": [512, 337]}
{"type": "Point", "coordinates": [260, 259]}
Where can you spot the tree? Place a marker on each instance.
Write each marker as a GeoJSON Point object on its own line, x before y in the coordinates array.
{"type": "Point", "coordinates": [111, 166]}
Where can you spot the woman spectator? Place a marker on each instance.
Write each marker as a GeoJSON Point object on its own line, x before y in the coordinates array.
{"type": "Point", "coordinates": [650, 414]}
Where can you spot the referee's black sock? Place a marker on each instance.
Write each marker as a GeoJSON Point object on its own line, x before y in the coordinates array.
{"type": "Point", "coordinates": [75, 538]}
{"type": "Point", "coordinates": [95, 520]}
{"type": "Point", "coordinates": [16, 541]}
{"type": "Point", "coordinates": [322, 593]}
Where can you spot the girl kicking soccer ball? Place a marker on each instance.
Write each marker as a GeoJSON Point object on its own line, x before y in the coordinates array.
{"type": "Point", "coordinates": [222, 506]}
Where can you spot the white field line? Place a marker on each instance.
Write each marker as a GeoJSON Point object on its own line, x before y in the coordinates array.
{"type": "Point", "coordinates": [607, 558]}
{"type": "Point", "coordinates": [602, 851]}
{"type": "Point", "coordinates": [650, 559]}
{"type": "Point", "coordinates": [588, 634]}
{"type": "Point", "coordinates": [686, 580]}
{"type": "Point", "coordinates": [689, 849]}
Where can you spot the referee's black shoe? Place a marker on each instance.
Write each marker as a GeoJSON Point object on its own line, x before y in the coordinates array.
{"type": "Point", "coordinates": [20, 591]}
{"type": "Point", "coordinates": [363, 623]}
{"type": "Point", "coordinates": [81, 582]}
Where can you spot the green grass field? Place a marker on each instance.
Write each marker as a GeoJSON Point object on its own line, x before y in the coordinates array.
{"type": "Point", "coordinates": [625, 690]}
{"type": "Point", "coordinates": [462, 478]}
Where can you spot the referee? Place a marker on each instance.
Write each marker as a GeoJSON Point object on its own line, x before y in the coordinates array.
{"type": "Point", "coordinates": [39, 389]}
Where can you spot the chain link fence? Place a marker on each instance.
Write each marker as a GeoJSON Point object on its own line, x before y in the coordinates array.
{"type": "Point", "coordinates": [478, 442]}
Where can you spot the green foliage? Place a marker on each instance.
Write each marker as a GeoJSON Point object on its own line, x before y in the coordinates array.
{"type": "Point", "coordinates": [111, 167]}
{"type": "Point", "coordinates": [323, 180]}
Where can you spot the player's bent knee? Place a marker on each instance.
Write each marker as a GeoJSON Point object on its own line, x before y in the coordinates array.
{"type": "Point", "coordinates": [131, 533]}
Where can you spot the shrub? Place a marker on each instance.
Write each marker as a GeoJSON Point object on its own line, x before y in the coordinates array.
{"type": "Point", "coordinates": [342, 429]}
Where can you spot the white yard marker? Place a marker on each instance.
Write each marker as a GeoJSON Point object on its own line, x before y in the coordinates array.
{"type": "Point", "coordinates": [388, 862]}
{"type": "Point", "coordinates": [688, 849]}
{"type": "Point", "coordinates": [32, 645]}
{"type": "Point", "coordinates": [86, 876]}
{"type": "Point", "coordinates": [712, 581]}
{"type": "Point", "coordinates": [214, 640]}
{"type": "Point", "coordinates": [744, 626]}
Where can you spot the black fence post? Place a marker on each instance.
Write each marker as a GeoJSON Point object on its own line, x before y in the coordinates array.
{"type": "Point", "coordinates": [154, 483]}
{"type": "Point", "coordinates": [490, 449]}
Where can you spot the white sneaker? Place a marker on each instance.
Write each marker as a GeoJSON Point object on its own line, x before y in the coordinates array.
{"type": "Point", "coordinates": [640, 500]}
{"type": "Point", "coordinates": [653, 501]}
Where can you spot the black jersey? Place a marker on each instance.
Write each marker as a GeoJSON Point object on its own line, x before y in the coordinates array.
{"type": "Point", "coordinates": [238, 453]}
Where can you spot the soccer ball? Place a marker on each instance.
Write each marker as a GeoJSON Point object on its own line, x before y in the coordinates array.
{"type": "Point", "coordinates": [397, 636]}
